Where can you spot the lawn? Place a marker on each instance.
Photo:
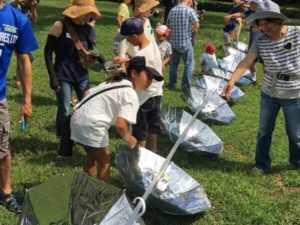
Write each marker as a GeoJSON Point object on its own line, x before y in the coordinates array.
{"type": "Point", "coordinates": [237, 196]}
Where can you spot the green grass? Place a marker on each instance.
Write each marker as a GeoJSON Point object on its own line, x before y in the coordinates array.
{"type": "Point", "coordinates": [236, 195]}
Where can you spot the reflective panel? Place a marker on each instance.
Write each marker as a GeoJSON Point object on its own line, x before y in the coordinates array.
{"type": "Point", "coordinates": [175, 193]}
{"type": "Point", "coordinates": [241, 46]}
{"type": "Point", "coordinates": [199, 137]}
{"type": "Point", "coordinates": [75, 198]}
{"type": "Point", "coordinates": [217, 84]}
{"type": "Point", "coordinates": [215, 110]}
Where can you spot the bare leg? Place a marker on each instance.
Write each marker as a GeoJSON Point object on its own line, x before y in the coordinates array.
{"type": "Point", "coordinates": [5, 172]}
{"type": "Point", "coordinates": [153, 142]}
{"type": "Point", "coordinates": [99, 157]}
{"type": "Point", "coordinates": [90, 165]}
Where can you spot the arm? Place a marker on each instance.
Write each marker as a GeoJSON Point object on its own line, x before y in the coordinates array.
{"type": "Point", "coordinates": [165, 61]}
{"type": "Point", "coordinates": [122, 127]}
{"type": "Point", "coordinates": [195, 27]}
{"type": "Point", "coordinates": [33, 16]}
{"type": "Point", "coordinates": [26, 82]}
{"type": "Point", "coordinates": [235, 15]}
{"type": "Point", "coordinates": [119, 20]}
{"type": "Point", "coordinates": [52, 39]}
{"type": "Point", "coordinates": [239, 71]}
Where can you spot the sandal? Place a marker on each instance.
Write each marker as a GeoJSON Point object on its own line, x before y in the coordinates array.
{"type": "Point", "coordinates": [10, 202]}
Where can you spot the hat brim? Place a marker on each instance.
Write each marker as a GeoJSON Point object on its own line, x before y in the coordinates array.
{"type": "Point", "coordinates": [120, 37]}
{"type": "Point", "coordinates": [155, 74]}
{"type": "Point", "coordinates": [265, 14]}
{"type": "Point", "coordinates": [76, 11]}
{"type": "Point", "coordinates": [138, 9]}
{"type": "Point", "coordinates": [159, 32]}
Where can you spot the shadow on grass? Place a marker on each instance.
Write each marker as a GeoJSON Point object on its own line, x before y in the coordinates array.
{"type": "Point", "coordinates": [162, 218]}
{"type": "Point", "coordinates": [36, 99]}
{"type": "Point", "coordinates": [45, 152]}
{"type": "Point", "coordinates": [202, 160]}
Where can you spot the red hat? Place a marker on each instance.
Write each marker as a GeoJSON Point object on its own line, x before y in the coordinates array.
{"type": "Point", "coordinates": [210, 49]}
{"type": "Point", "coordinates": [162, 30]}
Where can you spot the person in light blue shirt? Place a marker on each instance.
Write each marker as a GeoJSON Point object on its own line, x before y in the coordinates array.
{"type": "Point", "coordinates": [15, 34]}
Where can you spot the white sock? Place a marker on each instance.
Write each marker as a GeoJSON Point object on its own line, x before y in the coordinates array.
{"type": "Point", "coordinates": [254, 76]}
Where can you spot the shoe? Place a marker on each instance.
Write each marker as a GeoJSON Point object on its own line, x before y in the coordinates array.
{"type": "Point", "coordinates": [253, 78]}
{"type": "Point", "coordinates": [257, 171]}
{"type": "Point", "coordinates": [10, 202]}
{"type": "Point", "coordinates": [170, 87]}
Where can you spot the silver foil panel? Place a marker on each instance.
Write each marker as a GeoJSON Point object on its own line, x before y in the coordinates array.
{"type": "Point", "coordinates": [175, 193]}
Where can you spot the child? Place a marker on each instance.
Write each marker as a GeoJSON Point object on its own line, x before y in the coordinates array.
{"type": "Point", "coordinates": [122, 14]}
{"type": "Point", "coordinates": [228, 29]}
{"type": "Point", "coordinates": [208, 59]}
{"type": "Point", "coordinates": [162, 33]}
{"type": "Point", "coordinates": [148, 117]}
{"type": "Point", "coordinates": [117, 106]}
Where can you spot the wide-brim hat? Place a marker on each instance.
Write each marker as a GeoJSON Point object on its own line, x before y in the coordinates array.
{"type": "Point", "coordinates": [266, 10]}
{"type": "Point", "coordinates": [142, 6]}
{"type": "Point", "coordinates": [78, 8]}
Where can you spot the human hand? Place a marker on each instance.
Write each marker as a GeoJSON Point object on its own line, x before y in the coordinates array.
{"type": "Point", "coordinates": [194, 28]}
{"type": "Point", "coordinates": [227, 90]}
{"type": "Point", "coordinates": [132, 142]}
{"type": "Point", "coordinates": [164, 68]}
{"type": "Point", "coordinates": [118, 59]}
{"type": "Point", "coordinates": [57, 89]}
{"type": "Point", "coordinates": [228, 17]}
{"type": "Point", "coordinates": [25, 112]}
{"type": "Point", "coordinates": [33, 3]}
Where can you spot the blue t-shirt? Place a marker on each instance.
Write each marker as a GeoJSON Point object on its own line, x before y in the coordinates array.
{"type": "Point", "coordinates": [15, 33]}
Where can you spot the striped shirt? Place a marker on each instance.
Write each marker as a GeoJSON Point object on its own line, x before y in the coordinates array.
{"type": "Point", "coordinates": [180, 20]}
{"type": "Point", "coordinates": [281, 63]}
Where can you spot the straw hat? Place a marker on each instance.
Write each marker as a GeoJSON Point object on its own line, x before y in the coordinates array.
{"type": "Point", "coordinates": [268, 9]}
{"type": "Point", "coordinates": [78, 8]}
{"type": "Point", "coordinates": [142, 6]}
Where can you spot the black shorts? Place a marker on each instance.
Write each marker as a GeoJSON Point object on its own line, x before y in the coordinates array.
{"type": "Point", "coordinates": [148, 119]}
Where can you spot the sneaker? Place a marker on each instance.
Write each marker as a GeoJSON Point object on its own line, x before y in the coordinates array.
{"type": "Point", "coordinates": [253, 78]}
{"type": "Point", "coordinates": [257, 171]}
{"type": "Point", "coordinates": [10, 202]}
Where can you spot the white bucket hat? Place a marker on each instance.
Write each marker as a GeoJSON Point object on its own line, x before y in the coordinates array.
{"type": "Point", "coordinates": [267, 9]}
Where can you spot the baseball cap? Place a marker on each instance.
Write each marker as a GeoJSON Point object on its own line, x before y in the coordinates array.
{"type": "Point", "coordinates": [255, 1]}
{"type": "Point", "coordinates": [162, 30]}
{"type": "Point", "coordinates": [210, 49]}
{"type": "Point", "coordinates": [129, 27]}
{"type": "Point", "coordinates": [141, 61]}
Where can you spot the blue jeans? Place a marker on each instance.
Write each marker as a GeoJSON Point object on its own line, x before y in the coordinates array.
{"type": "Point", "coordinates": [269, 108]}
{"type": "Point", "coordinates": [187, 54]}
{"type": "Point", "coordinates": [63, 98]}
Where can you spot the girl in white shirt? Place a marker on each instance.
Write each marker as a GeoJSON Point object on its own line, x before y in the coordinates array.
{"type": "Point", "coordinates": [118, 107]}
